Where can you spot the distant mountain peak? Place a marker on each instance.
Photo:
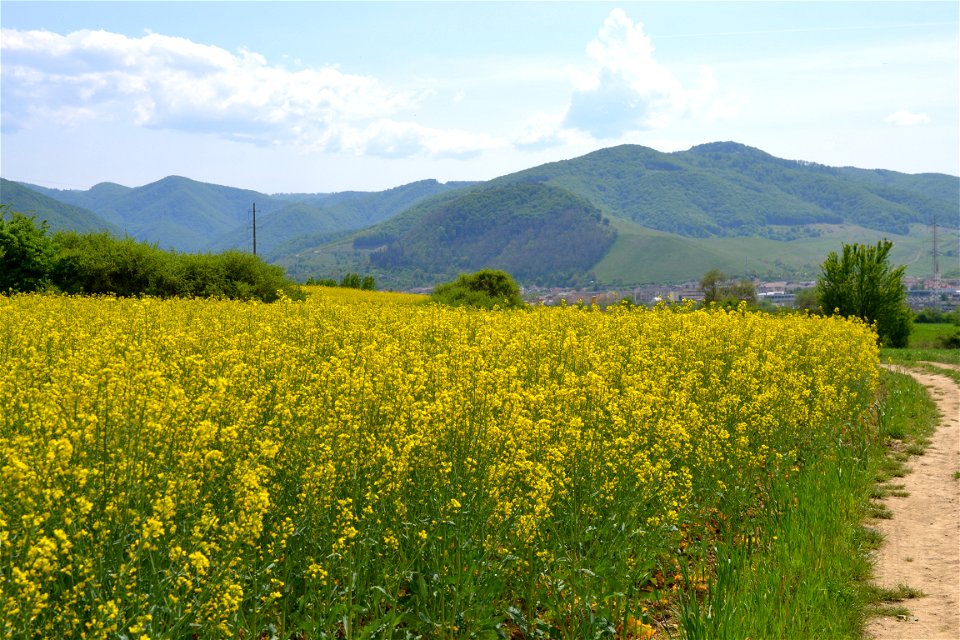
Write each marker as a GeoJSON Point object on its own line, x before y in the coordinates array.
{"type": "Point", "coordinates": [728, 147]}
{"type": "Point", "coordinates": [108, 186]}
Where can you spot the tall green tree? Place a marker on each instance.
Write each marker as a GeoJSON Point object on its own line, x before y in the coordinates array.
{"type": "Point", "coordinates": [860, 282]}
{"type": "Point", "coordinates": [27, 253]}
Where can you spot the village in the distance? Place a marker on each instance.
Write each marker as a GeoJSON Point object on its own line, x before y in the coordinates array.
{"type": "Point", "coordinates": [942, 294]}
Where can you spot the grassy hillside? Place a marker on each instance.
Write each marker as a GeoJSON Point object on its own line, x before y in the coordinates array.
{"type": "Point", "coordinates": [641, 255]}
{"type": "Point", "coordinates": [678, 215]}
{"type": "Point", "coordinates": [58, 215]}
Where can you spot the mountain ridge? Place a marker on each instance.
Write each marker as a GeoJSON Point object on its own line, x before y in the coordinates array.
{"type": "Point", "coordinates": [714, 199]}
{"type": "Point", "coordinates": [725, 202]}
{"type": "Point", "coordinates": [59, 216]}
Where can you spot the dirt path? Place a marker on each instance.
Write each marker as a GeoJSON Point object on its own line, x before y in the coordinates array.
{"type": "Point", "coordinates": [943, 365]}
{"type": "Point", "coordinates": [922, 541]}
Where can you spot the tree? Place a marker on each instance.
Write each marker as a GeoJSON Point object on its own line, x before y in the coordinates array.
{"type": "Point", "coordinates": [27, 253]}
{"type": "Point", "coordinates": [484, 289]}
{"type": "Point", "coordinates": [351, 281]}
{"type": "Point", "coordinates": [742, 289]}
{"type": "Point", "coordinates": [712, 285]}
{"type": "Point", "coordinates": [718, 288]}
{"type": "Point", "coordinates": [860, 282]}
{"type": "Point", "coordinates": [807, 299]}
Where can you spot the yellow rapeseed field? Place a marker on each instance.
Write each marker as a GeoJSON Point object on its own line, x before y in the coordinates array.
{"type": "Point", "coordinates": [366, 465]}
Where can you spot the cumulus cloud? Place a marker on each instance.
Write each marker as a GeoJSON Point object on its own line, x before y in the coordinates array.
{"type": "Point", "coordinates": [625, 90]}
{"type": "Point", "coordinates": [165, 82]}
{"type": "Point", "coordinates": [629, 90]}
{"type": "Point", "coordinates": [905, 118]}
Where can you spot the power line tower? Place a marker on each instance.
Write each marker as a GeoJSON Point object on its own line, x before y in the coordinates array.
{"type": "Point", "coordinates": [936, 258]}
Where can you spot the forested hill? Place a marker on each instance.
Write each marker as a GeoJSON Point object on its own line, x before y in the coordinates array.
{"type": "Point", "coordinates": [537, 232]}
{"type": "Point", "coordinates": [729, 189]}
{"type": "Point", "coordinates": [175, 212]}
{"type": "Point", "coordinates": [325, 215]}
{"type": "Point", "coordinates": [187, 215]}
{"type": "Point", "coordinates": [58, 215]}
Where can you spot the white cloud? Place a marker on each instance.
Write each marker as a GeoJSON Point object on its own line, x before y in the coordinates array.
{"type": "Point", "coordinates": [165, 82]}
{"type": "Point", "coordinates": [547, 130]}
{"type": "Point", "coordinates": [905, 118]}
{"type": "Point", "coordinates": [626, 90]}
{"type": "Point", "coordinates": [629, 90]}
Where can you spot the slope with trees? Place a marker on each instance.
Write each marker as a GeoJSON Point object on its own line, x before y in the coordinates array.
{"type": "Point", "coordinates": [729, 189]}
{"type": "Point", "coordinates": [325, 216]}
{"type": "Point", "coordinates": [672, 217]}
{"type": "Point", "coordinates": [536, 232]}
{"type": "Point", "coordinates": [58, 215]}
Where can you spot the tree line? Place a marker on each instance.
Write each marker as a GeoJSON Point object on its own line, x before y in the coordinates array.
{"type": "Point", "coordinates": [348, 281]}
{"type": "Point", "coordinates": [98, 263]}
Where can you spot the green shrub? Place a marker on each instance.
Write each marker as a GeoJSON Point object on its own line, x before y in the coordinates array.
{"type": "Point", "coordinates": [950, 340]}
{"type": "Point", "coordinates": [484, 289]}
{"type": "Point", "coordinates": [932, 315]}
{"type": "Point", "coordinates": [98, 263]}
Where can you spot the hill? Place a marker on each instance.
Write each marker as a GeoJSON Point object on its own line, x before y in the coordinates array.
{"type": "Point", "coordinates": [536, 232]}
{"type": "Point", "coordinates": [186, 215]}
{"type": "Point", "coordinates": [672, 217]}
{"type": "Point", "coordinates": [175, 212]}
{"type": "Point", "coordinates": [99, 197]}
{"type": "Point", "coordinates": [626, 214]}
{"type": "Point", "coordinates": [58, 215]}
{"type": "Point", "coordinates": [326, 215]}
{"type": "Point", "coordinates": [729, 189]}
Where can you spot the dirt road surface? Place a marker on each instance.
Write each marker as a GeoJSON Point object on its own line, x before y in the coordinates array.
{"type": "Point", "coordinates": [921, 546]}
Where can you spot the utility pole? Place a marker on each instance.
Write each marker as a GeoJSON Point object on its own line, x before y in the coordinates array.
{"type": "Point", "coordinates": [254, 228]}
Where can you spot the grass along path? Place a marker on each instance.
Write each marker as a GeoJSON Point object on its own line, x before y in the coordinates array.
{"type": "Point", "coordinates": [921, 546]}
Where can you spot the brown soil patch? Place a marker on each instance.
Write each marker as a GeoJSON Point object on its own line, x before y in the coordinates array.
{"type": "Point", "coordinates": [921, 546]}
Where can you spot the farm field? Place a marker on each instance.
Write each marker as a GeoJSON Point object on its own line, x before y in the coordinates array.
{"type": "Point", "coordinates": [364, 465]}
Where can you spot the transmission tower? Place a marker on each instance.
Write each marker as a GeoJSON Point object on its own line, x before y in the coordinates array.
{"type": "Point", "coordinates": [936, 258]}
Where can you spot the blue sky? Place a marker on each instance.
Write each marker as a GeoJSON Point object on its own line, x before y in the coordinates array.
{"type": "Point", "coordinates": [328, 96]}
